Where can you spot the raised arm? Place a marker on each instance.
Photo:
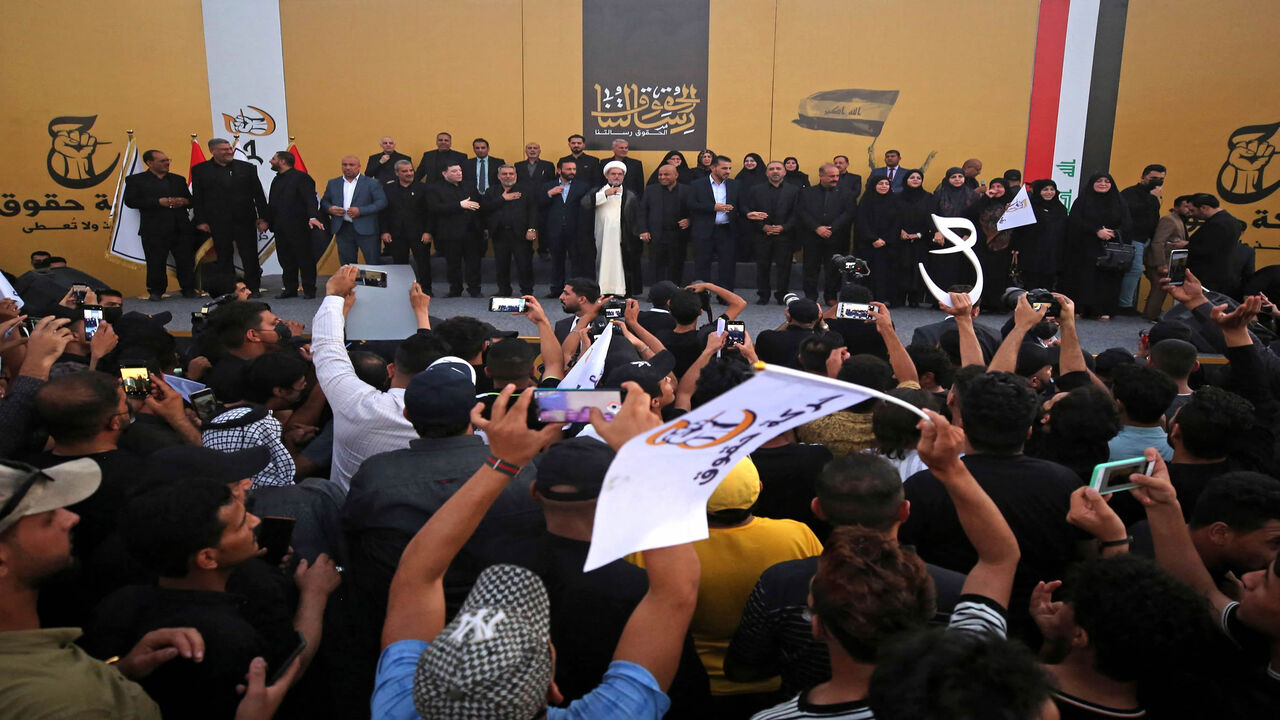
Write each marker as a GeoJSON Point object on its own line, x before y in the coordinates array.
{"type": "Point", "coordinates": [632, 316]}
{"type": "Point", "coordinates": [415, 605]}
{"type": "Point", "coordinates": [654, 635]}
{"type": "Point", "coordinates": [939, 447]}
{"type": "Point", "coordinates": [903, 368]}
{"type": "Point", "coordinates": [552, 353]}
{"type": "Point", "coordinates": [1025, 317]}
{"type": "Point", "coordinates": [962, 310]}
{"type": "Point", "coordinates": [736, 304]}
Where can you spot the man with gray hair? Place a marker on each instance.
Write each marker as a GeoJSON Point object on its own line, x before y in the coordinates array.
{"type": "Point", "coordinates": [382, 164]}
{"type": "Point", "coordinates": [512, 221]}
{"type": "Point", "coordinates": [230, 205]}
{"type": "Point", "coordinates": [354, 201]}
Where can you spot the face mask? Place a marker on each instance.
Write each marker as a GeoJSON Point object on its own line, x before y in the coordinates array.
{"type": "Point", "coordinates": [112, 315]}
{"type": "Point", "coordinates": [283, 332]}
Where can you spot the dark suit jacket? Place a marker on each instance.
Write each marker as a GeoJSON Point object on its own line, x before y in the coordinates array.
{"type": "Point", "coordinates": [929, 335]}
{"type": "Point", "coordinates": [588, 167]}
{"type": "Point", "coordinates": [434, 162]}
{"type": "Point", "coordinates": [634, 181]}
{"type": "Point", "coordinates": [382, 172]}
{"type": "Point", "coordinates": [449, 220]}
{"type": "Point", "coordinates": [702, 206]}
{"type": "Point", "coordinates": [1210, 249]}
{"type": "Point", "coordinates": [650, 219]}
{"type": "Point", "coordinates": [564, 326]}
{"type": "Point", "coordinates": [852, 182]}
{"type": "Point", "coordinates": [899, 177]}
{"type": "Point", "coordinates": [519, 215]}
{"type": "Point", "coordinates": [142, 192]}
{"type": "Point", "coordinates": [368, 197]}
{"type": "Point", "coordinates": [227, 194]}
{"type": "Point", "coordinates": [405, 216]}
{"type": "Point", "coordinates": [543, 172]}
{"type": "Point", "coordinates": [561, 217]}
{"type": "Point", "coordinates": [292, 203]}
{"type": "Point", "coordinates": [818, 206]}
{"type": "Point", "coordinates": [469, 172]}
{"type": "Point", "coordinates": [779, 203]}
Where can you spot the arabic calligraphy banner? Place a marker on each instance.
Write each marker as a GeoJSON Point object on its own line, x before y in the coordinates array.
{"type": "Point", "coordinates": [644, 73]}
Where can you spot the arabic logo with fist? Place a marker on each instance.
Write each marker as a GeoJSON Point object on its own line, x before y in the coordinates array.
{"type": "Point", "coordinates": [1249, 151]}
{"type": "Point", "coordinates": [70, 161]}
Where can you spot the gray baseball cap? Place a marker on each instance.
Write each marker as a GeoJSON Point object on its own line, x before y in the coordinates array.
{"type": "Point", "coordinates": [33, 491]}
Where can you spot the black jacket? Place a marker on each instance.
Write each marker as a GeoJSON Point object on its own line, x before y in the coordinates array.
{"type": "Point", "coordinates": [142, 192]}
{"type": "Point", "coordinates": [630, 212]}
{"type": "Point", "coordinates": [651, 219]}
{"type": "Point", "coordinates": [561, 217]}
{"type": "Point", "coordinates": [434, 162]}
{"type": "Point", "coordinates": [817, 206]}
{"type": "Point", "coordinates": [227, 194]}
{"type": "Point", "coordinates": [1211, 248]}
{"type": "Point", "coordinates": [491, 171]}
{"type": "Point", "coordinates": [406, 216]}
{"type": "Point", "coordinates": [634, 181]}
{"type": "Point", "coordinates": [702, 205]}
{"type": "Point", "coordinates": [448, 219]}
{"type": "Point", "coordinates": [519, 215]}
{"type": "Point", "coordinates": [543, 172]}
{"type": "Point", "coordinates": [779, 203]}
{"type": "Point", "coordinates": [384, 171]}
{"type": "Point", "coordinates": [293, 202]}
{"type": "Point", "coordinates": [588, 167]}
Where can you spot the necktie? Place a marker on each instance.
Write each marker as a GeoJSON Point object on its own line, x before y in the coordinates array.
{"type": "Point", "coordinates": [482, 177]}
{"type": "Point", "coordinates": [891, 174]}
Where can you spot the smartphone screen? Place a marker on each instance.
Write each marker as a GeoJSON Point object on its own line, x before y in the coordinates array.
{"type": "Point", "coordinates": [506, 304]}
{"type": "Point", "coordinates": [371, 278]}
{"type": "Point", "coordinates": [79, 291]}
{"type": "Point", "coordinates": [275, 534]}
{"type": "Point", "coordinates": [202, 401]}
{"type": "Point", "coordinates": [92, 319]}
{"type": "Point", "coordinates": [136, 381]}
{"type": "Point", "coordinates": [737, 331]}
{"type": "Point", "coordinates": [1177, 267]}
{"type": "Point", "coordinates": [1113, 476]}
{"type": "Point", "coordinates": [574, 406]}
{"type": "Point", "coordinates": [853, 311]}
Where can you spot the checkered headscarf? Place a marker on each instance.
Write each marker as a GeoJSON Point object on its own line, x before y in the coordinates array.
{"type": "Point", "coordinates": [493, 661]}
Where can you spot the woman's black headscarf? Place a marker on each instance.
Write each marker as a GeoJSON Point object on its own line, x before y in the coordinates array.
{"type": "Point", "coordinates": [746, 177]}
{"type": "Point", "coordinates": [952, 201]}
{"type": "Point", "coordinates": [683, 173]}
{"type": "Point", "coordinates": [1048, 207]}
{"type": "Point", "coordinates": [700, 170]}
{"type": "Point", "coordinates": [1095, 209]}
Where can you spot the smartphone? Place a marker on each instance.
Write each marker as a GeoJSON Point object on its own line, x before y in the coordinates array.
{"type": "Point", "coordinates": [136, 381]}
{"type": "Point", "coordinates": [737, 332]}
{"type": "Point", "coordinates": [1113, 476]}
{"type": "Point", "coordinates": [506, 304]}
{"type": "Point", "coordinates": [574, 406]}
{"type": "Point", "coordinates": [854, 311]}
{"type": "Point", "coordinates": [1177, 266]}
{"type": "Point", "coordinates": [371, 278]}
{"type": "Point", "coordinates": [92, 318]}
{"type": "Point", "coordinates": [288, 660]}
{"type": "Point", "coordinates": [78, 292]}
{"type": "Point", "coordinates": [275, 534]}
{"type": "Point", "coordinates": [203, 401]}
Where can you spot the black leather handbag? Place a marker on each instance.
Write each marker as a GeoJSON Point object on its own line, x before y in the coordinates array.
{"type": "Point", "coordinates": [1116, 254]}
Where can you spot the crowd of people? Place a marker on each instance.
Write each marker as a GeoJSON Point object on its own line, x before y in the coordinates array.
{"type": "Point", "coordinates": [596, 217]}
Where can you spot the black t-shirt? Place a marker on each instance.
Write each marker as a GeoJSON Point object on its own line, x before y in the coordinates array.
{"type": "Point", "coordinates": [788, 474]}
{"type": "Point", "coordinates": [782, 347]}
{"type": "Point", "coordinates": [1033, 495]}
{"type": "Point", "coordinates": [227, 378]}
{"type": "Point", "coordinates": [657, 321]}
{"type": "Point", "coordinates": [685, 346]}
{"type": "Point", "coordinates": [861, 338]}
{"type": "Point", "coordinates": [232, 638]}
{"type": "Point", "coordinates": [147, 434]}
{"type": "Point", "coordinates": [1071, 707]}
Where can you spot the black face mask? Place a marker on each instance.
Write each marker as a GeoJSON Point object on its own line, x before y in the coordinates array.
{"type": "Point", "coordinates": [283, 332]}
{"type": "Point", "coordinates": [112, 314]}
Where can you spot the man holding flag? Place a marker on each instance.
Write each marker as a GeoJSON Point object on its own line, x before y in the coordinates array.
{"type": "Point", "coordinates": [161, 199]}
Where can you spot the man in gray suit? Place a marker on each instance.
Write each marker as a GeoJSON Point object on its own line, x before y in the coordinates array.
{"type": "Point", "coordinates": [354, 201]}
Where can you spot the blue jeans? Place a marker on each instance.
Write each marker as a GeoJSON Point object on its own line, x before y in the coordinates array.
{"type": "Point", "coordinates": [1132, 276]}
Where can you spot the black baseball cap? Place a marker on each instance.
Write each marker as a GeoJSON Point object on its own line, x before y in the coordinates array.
{"type": "Point", "coordinates": [648, 374]}
{"type": "Point", "coordinates": [573, 470]}
{"type": "Point", "coordinates": [443, 394]}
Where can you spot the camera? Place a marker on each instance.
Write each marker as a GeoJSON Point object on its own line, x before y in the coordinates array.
{"type": "Point", "coordinates": [851, 266]}
{"type": "Point", "coordinates": [704, 296]}
{"type": "Point", "coordinates": [1038, 297]}
{"type": "Point", "coordinates": [597, 326]}
{"type": "Point", "coordinates": [789, 298]}
{"type": "Point", "coordinates": [614, 308]}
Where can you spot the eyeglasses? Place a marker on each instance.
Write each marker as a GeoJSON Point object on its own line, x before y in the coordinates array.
{"type": "Point", "coordinates": [24, 485]}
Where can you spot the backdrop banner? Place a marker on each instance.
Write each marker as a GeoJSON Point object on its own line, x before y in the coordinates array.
{"type": "Point", "coordinates": [644, 73]}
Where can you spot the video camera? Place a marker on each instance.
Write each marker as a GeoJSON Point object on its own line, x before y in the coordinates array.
{"type": "Point", "coordinates": [199, 317]}
{"type": "Point", "coordinates": [614, 308]}
{"type": "Point", "coordinates": [851, 267]}
{"type": "Point", "coordinates": [1038, 297]}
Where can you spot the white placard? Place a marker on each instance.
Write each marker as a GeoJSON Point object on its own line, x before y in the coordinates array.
{"type": "Point", "coordinates": [589, 369]}
{"type": "Point", "coordinates": [655, 493]}
{"type": "Point", "coordinates": [383, 313]}
{"type": "Point", "coordinates": [1018, 212]}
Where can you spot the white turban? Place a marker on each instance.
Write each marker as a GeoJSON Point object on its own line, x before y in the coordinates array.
{"type": "Point", "coordinates": [615, 164]}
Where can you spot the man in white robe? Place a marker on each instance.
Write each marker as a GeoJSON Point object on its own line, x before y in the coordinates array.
{"type": "Point", "coordinates": [618, 246]}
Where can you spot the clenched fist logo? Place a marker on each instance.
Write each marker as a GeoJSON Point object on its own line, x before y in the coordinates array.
{"type": "Point", "coordinates": [70, 161]}
{"type": "Point", "coordinates": [1249, 151]}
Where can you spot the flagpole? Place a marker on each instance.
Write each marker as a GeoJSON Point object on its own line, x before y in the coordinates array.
{"type": "Point", "coordinates": [128, 163]}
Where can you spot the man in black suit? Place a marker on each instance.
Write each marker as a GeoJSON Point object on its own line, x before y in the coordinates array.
{"type": "Point", "coordinates": [434, 162]}
{"type": "Point", "coordinates": [534, 171]}
{"type": "Point", "coordinates": [713, 200]}
{"type": "Point", "coordinates": [292, 211]}
{"type": "Point", "coordinates": [480, 172]}
{"type": "Point", "coordinates": [824, 214]}
{"type": "Point", "coordinates": [664, 220]}
{"type": "Point", "coordinates": [404, 224]}
{"type": "Point", "coordinates": [382, 165]}
{"type": "Point", "coordinates": [588, 166]}
{"type": "Point", "coordinates": [457, 230]}
{"type": "Point", "coordinates": [635, 169]}
{"type": "Point", "coordinates": [580, 297]}
{"type": "Point", "coordinates": [230, 205]}
{"type": "Point", "coordinates": [769, 208]}
{"type": "Point", "coordinates": [989, 340]}
{"type": "Point", "coordinates": [161, 198]}
{"type": "Point", "coordinates": [559, 206]}
{"type": "Point", "coordinates": [851, 182]}
{"type": "Point", "coordinates": [513, 222]}
{"type": "Point", "coordinates": [1212, 246]}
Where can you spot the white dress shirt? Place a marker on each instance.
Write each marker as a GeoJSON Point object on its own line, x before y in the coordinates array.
{"type": "Point", "coordinates": [721, 193]}
{"type": "Point", "coordinates": [365, 421]}
{"type": "Point", "coordinates": [348, 191]}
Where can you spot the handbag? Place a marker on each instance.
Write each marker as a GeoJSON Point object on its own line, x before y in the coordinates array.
{"type": "Point", "coordinates": [1116, 255]}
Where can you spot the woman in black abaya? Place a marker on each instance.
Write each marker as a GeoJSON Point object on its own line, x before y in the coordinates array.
{"type": "Point", "coordinates": [951, 199]}
{"type": "Point", "coordinates": [751, 174]}
{"type": "Point", "coordinates": [877, 239]}
{"type": "Point", "coordinates": [794, 176]}
{"type": "Point", "coordinates": [705, 159]}
{"type": "Point", "coordinates": [992, 247]}
{"type": "Point", "coordinates": [1039, 246]}
{"type": "Point", "coordinates": [917, 234]}
{"type": "Point", "coordinates": [1098, 216]}
{"type": "Point", "coordinates": [684, 174]}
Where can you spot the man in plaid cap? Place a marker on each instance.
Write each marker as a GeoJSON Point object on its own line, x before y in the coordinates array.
{"type": "Point", "coordinates": [495, 660]}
